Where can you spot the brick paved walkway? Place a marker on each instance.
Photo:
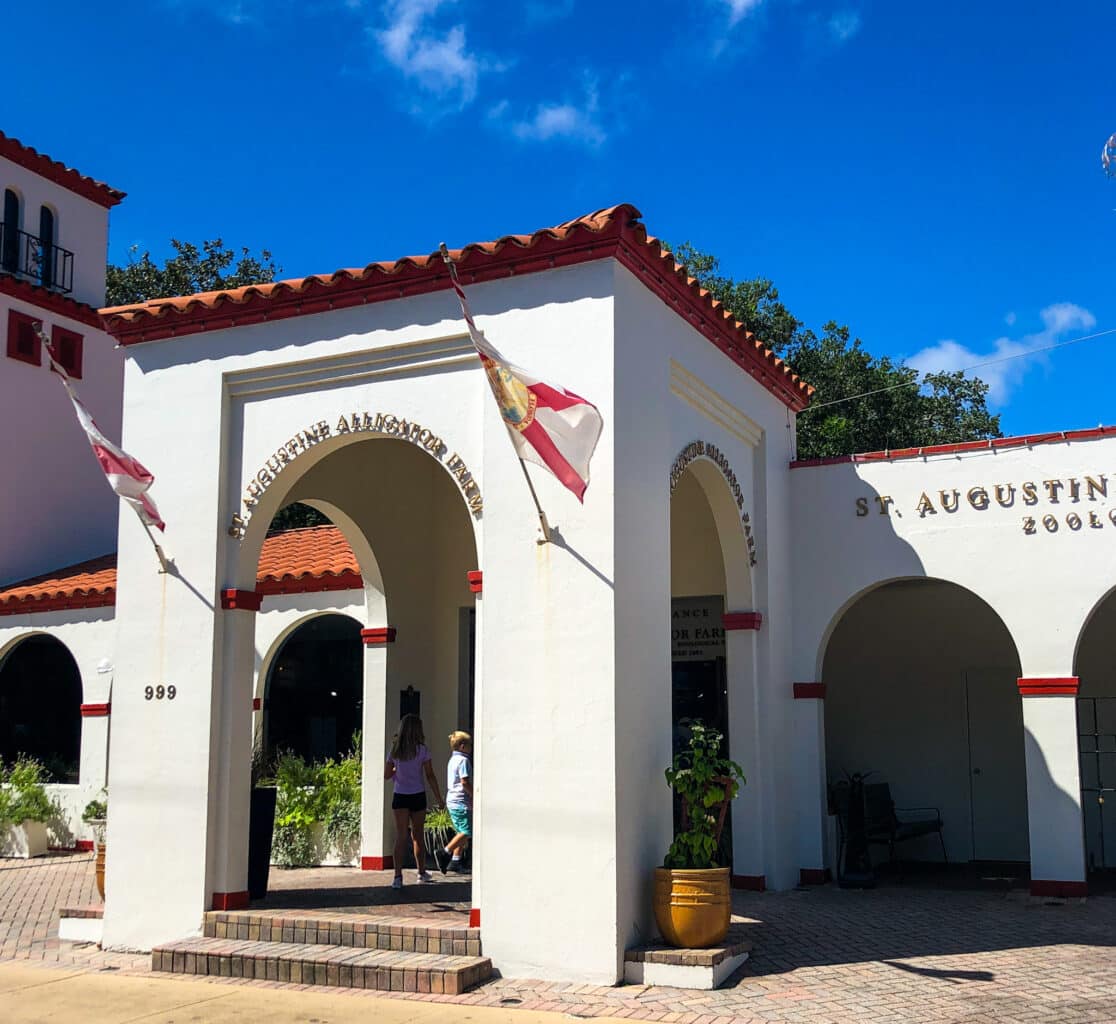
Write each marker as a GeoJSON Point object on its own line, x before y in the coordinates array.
{"type": "Point", "coordinates": [820, 956]}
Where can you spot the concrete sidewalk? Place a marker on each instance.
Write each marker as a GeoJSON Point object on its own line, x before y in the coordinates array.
{"type": "Point", "coordinates": [38, 995]}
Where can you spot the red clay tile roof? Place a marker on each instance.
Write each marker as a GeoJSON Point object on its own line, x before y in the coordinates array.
{"type": "Point", "coordinates": [102, 194]}
{"type": "Point", "coordinates": [296, 562]}
{"type": "Point", "coordinates": [613, 232]}
{"type": "Point", "coordinates": [316, 558]}
{"type": "Point", "coordinates": [89, 584]}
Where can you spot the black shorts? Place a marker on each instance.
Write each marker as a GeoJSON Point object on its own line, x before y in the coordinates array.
{"type": "Point", "coordinates": [409, 802]}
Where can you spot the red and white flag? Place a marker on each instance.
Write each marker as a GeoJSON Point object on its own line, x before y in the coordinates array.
{"type": "Point", "coordinates": [548, 425]}
{"type": "Point", "coordinates": [125, 475]}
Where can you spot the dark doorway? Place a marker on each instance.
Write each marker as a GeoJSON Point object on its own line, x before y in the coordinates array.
{"type": "Point", "coordinates": [40, 707]}
{"type": "Point", "coordinates": [699, 683]}
{"type": "Point", "coordinates": [314, 692]}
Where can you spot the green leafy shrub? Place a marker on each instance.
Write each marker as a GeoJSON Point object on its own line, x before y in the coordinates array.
{"type": "Point", "coordinates": [705, 781]}
{"type": "Point", "coordinates": [316, 802]}
{"type": "Point", "coordinates": [23, 796]}
{"type": "Point", "coordinates": [439, 828]}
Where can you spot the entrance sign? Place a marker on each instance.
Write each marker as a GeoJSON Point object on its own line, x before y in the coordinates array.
{"type": "Point", "coordinates": [1028, 494]}
{"type": "Point", "coordinates": [696, 629]}
{"type": "Point", "coordinates": [699, 449]}
{"type": "Point", "coordinates": [381, 424]}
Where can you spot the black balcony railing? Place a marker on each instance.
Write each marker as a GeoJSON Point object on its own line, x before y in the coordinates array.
{"type": "Point", "coordinates": [28, 256]}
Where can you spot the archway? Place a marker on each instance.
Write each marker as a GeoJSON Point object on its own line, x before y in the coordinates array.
{"type": "Point", "coordinates": [313, 692]}
{"type": "Point", "coordinates": [1095, 667]}
{"type": "Point", "coordinates": [406, 523]}
{"type": "Point", "coordinates": [921, 691]}
{"type": "Point", "coordinates": [713, 670]}
{"type": "Point", "coordinates": [40, 706]}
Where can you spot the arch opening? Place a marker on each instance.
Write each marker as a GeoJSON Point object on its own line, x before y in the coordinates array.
{"type": "Point", "coordinates": [1095, 667]}
{"type": "Point", "coordinates": [921, 691]}
{"type": "Point", "coordinates": [40, 706]}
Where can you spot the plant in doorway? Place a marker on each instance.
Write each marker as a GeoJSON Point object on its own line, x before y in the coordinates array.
{"type": "Point", "coordinates": [95, 816]}
{"type": "Point", "coordinates": [317, 810]}
{"type": "Point", "coordinates": [25, 808]}
{"type": "Point", "coordinates": [692, 898]}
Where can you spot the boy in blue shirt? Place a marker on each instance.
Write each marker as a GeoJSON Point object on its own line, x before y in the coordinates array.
{"type": "Point", "coordinates": [459, 801]}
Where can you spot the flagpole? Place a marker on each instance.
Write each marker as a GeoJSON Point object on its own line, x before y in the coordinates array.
{"type": "Point", "coordinates": [544, 526]}
{"type": "Point", "coordinates": [164, 564]}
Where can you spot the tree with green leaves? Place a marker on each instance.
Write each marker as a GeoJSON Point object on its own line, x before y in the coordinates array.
{"type": "Point", "coordinates": [894, 409]}
{"type": "Point", "coordinates": [208, 269]}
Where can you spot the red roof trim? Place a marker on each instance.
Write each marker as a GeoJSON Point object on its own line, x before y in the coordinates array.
{"type": "Point", "coordinates": [611, 233]}
{"type": "Point", "coordinates": [44, 298]}
{"type": "Point", "coordinates": [37, 605]}
{"type": "Point", "coordinates": [308, 584]}
{"type": "Point", "coordinates": [991, 444]}
{"type": "Point", "coordinates": [42, 165]}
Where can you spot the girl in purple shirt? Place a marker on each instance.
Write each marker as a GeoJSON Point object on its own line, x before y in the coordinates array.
{"type": "Point", "coordinates": [406, 765]}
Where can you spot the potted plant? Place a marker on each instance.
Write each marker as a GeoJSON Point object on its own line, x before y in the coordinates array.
{"type": "Point", "coordinates": [24, 809]}
{"type": "Point", "coordinates": [692, 898]}
{"type": "Point", "coordinates": [95, 816]}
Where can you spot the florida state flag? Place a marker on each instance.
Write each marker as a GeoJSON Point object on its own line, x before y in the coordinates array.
{"type": "Point", "coordinates": [548, 425]}
{"type": "Point", "coordinates": [125, 475]}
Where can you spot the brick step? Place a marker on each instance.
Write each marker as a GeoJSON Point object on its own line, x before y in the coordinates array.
{"type": "Point", "coordinates": [409, 935]}
{"type": "Point", "coordinates": [337, 966]}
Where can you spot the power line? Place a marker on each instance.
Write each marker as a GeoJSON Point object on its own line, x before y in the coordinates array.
{"type": "Point", "coordinates": [917, 382]}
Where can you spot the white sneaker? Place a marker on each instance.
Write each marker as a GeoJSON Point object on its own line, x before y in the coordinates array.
{"type": "Point", "coordinates": [397, 882]}
{"type": "Point", "coordinates": [425, 876]}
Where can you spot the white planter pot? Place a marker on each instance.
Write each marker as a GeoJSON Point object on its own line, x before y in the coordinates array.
{"type": "Point", "coordinates": [26, 840]}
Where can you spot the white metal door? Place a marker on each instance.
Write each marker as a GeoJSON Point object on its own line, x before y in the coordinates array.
{"type": "Point", "coordinates": [997, 769]}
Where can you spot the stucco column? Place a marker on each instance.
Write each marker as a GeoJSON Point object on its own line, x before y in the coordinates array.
{"type": "Point", "coordinates": [1053, 786]}
{"type": "Point", "coordinates": [375, 845]}
{"type": "Point", "coordinates": [231, 789]}
{"type": "Point", "coordinates": [809, 782]}
{"type": "Point", "coordinates": [744, 749]}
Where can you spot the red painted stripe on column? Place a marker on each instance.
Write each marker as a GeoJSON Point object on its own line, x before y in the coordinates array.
{"type": "Point", "coordinates": [474, 917]}
{"type": "Point", "coordinates": [813, 876]}
{"type": "Point", "coordinates": [96, 710]}
{"type": "Point", "coordinates": [257, 703]}
{"type": "Point", "coordinates": [754, 883]}
{"type": "Point", "coordinates": [476, 580]}
{"type": "Point", "coordinates": [377, 863]}
{"type": "Point", "coordinates": [241, 600]}
{"type": "Point", "coordinates": [378, 635]}
{"type": "Point", "coordinates": [809, 691]}
{"type": "Point", "coordinates": [1061, 686]}
{"type": "Point", "coordinates": [1048, 887]}
{"type": "Point", "coordinates": [742, 620]}
{"type": "Point", "coordinates": [230, 900]}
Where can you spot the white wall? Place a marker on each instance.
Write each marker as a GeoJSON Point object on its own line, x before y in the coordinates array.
{"type": "Point", "coordinates": [73, 514]}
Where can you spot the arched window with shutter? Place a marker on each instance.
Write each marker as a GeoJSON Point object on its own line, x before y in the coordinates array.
{"type": "Point", "coordinates": [9, 239]}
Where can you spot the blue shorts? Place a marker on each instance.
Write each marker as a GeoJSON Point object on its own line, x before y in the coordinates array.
{"type": "Point", "coordinates": [461, 819]}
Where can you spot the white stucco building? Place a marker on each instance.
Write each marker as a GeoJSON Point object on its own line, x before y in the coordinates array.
{"type": "Point", "coordinates": [939, 617]}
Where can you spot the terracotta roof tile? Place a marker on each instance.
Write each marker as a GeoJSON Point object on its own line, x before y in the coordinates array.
{"type": "Point", "coordinates": [90, 584]}
{"type": "Point", "coordinates": [612, 232]}
{"type": "Point", "coordinates": [59, 173]}
{"type": "Point", "coordinates": [299, 561]}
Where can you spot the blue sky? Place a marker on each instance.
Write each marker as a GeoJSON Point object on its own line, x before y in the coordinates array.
{"type": "Point", "coordinates": [927, 174]}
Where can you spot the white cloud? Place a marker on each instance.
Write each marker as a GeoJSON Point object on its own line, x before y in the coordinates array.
{"type": "Point", "coordinates": [568, 122]}
{"type": "Point", "coordinates": [739, 9]}
{"type": "Point", "coordinates": [1003, 377]}
{"type": "Point", "coordinates": [1009, 319]}
{"type": "Point", "coordinates": [843, 26]}
{"type": "Point", "coordinates": [438, 59]}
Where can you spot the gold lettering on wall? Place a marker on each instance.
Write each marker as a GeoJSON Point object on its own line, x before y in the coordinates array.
{"type": "Point", "coordinates": [381, 424]}
{"type": "Point", "coordinates": [1028, 493]}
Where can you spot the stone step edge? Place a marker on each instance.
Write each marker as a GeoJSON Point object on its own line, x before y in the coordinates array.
{"type": "Point", "coordinates": [337, 966]}
{"type": "Point", "coordinates": [409, 936]}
